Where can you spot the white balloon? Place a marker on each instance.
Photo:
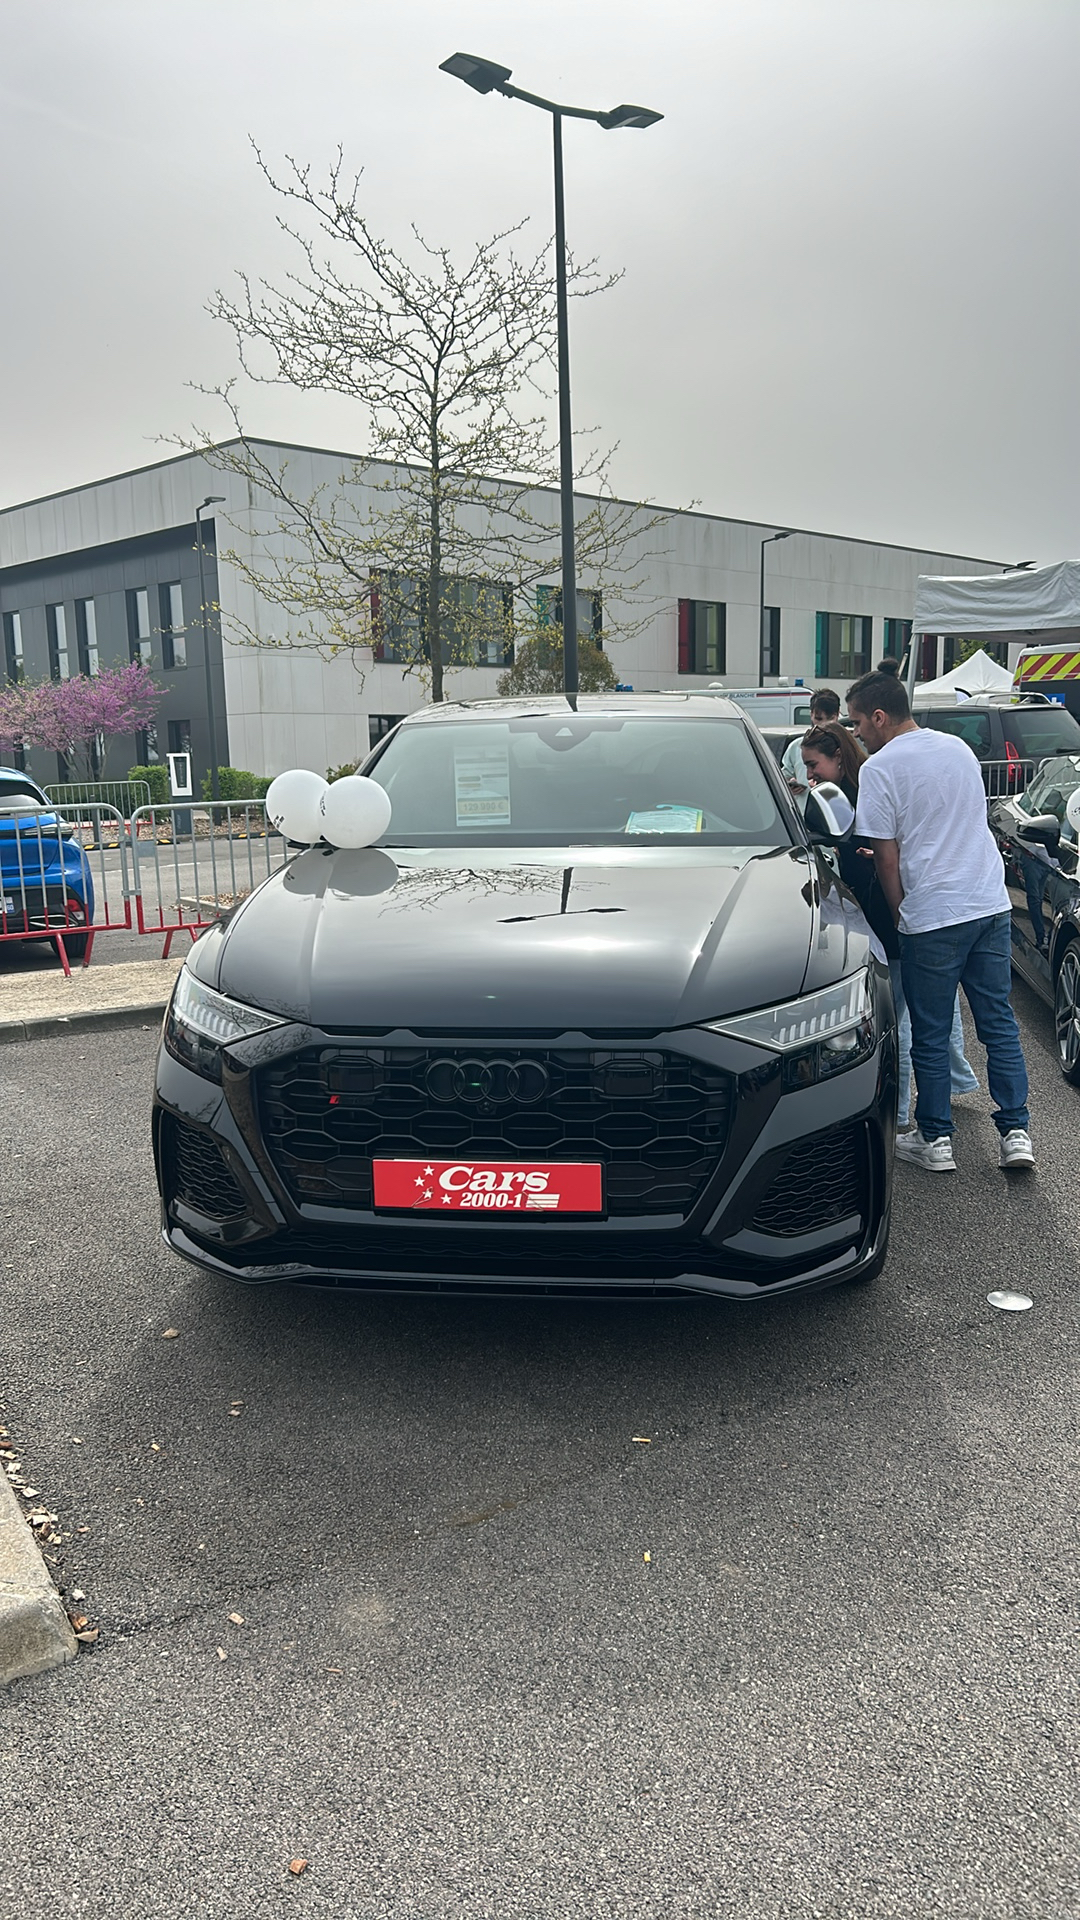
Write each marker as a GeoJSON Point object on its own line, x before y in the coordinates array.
{"type": "Point", "coordinates": [355, 811]}
{"type": "Point", "coordinates": [292, 805]}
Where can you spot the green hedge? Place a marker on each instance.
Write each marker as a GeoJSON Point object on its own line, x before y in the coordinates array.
{"type": "Point", "coordinates": [236, 784]}
{"type": "Point", "coordinates": [157, 779]}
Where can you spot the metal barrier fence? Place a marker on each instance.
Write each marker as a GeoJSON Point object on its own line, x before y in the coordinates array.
{"type": "Point", "coordinates": [56, 882]}
{"type": "Point", "coordinates": [123, 795]}
{"type": "Point", "coordinates": [77, 871]}
{"type": "Point", "coordinates": [192, 864]}
{"type": "Point", "coordinates": [1004, 779]}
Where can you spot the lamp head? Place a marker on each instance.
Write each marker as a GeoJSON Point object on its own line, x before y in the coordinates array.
{"type": "Point", "coordinates": [484, 75]}
{"type": "Point", "coordinates": [213, 500]}
{"type": "Point", "coordinates": [628, 117]}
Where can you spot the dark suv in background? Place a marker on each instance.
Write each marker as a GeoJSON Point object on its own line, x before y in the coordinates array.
{"type": "Point", "coordinates": [1011, 740]}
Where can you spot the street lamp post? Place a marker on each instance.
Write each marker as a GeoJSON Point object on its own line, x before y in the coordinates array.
{"type": "Point", "coordinates": [212, 500]}
{"type": "Point", "coordinates": [767, 542]}
{"type": "Point", "coordinates": [485, 76]}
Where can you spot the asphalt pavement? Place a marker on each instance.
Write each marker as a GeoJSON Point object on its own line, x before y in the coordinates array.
{"type": "Point", "coordinates": [541, 1610]}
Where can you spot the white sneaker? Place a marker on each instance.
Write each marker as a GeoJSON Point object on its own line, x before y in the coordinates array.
{"type": "Point", "coordinates": [936, 1156]}
{"type": "Point", "coordinates": [1016, 1149]}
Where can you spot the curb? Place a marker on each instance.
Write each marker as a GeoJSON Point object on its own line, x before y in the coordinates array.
{"type": "Point", "coordinates": [93, 1020]}
{"type": "Point", "coordinates": [35, 1632]}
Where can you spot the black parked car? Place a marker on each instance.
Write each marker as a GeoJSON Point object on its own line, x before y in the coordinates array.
{"type": "Point", "coordinates": [594, 988]}
{"type": "Point", "coordinates": [1039, 845]}
{"type": "Point", "coordinates": [1010, 739]}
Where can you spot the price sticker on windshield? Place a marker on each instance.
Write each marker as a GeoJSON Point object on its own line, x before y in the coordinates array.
{"type": "Point", "coordinates": [482, 787]}
{"type": "Point", "coordinates": [490, 1186]}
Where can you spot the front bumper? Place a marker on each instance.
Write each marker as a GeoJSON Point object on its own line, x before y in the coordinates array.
{"type": "Point", "coordinates": [794, 1194]}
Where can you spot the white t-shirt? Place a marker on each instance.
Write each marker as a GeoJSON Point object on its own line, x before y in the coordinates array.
{"type": "Point", "coordinates": [924, 790]}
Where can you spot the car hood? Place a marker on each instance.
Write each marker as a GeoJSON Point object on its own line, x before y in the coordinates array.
{"type": "Point", "coordinates": [578, 939]}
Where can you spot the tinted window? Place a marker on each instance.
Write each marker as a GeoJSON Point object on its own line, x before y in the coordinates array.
{"type": "Point", "coordinates": [550, 779]}
{"type": "Point", "coordinates": [972, 728]}
{"type": "Point", "coordinates": [1038, 730]}
{"type": "Point", "coordinates": [21, 794]}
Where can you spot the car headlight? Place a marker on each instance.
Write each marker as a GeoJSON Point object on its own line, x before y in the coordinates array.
{"type": "Point", "coordinates": [200, 1022]}
{"type": "Point", "coordinates": [817, 1035]}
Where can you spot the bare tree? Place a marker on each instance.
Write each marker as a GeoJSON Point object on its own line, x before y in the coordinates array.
{"type": "Point", "coordinates": [447, 363]}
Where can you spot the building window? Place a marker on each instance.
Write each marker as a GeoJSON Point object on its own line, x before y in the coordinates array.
{"type": "Point", "coordinates": [179, 736]}
{"type": "Point", "coordinates": [479, 616]}
{"type": "Point", "coordinates": [476, 621]}
{"type": "Point", "coordinates": [173, 640]}
{"type": "Point", "coordinates": [844, 644]}
{"type": "Point", "coordinates": [380, 724]}
{"type": "Point", "coordinates": [13, 646]}
{"type": "Point", "coordinates": [138, 618]}
{"type": "Point", "coordinates": [56, 623]}
{"type": "Point", "coordinates": [86, 637]}
{"type": "Point", "coordinates": [590, 612]}
{"type": "Point", "coordinates": [146, 744]}
{"type": "Point", "coordinates": [770, 640]}
{"type": "Point", "coordinates": [897, 638]}
{"type": "Point", "coordinates": [702, 636]}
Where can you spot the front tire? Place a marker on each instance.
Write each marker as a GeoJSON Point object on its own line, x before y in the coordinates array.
{"type": "Point", "coordinates": [1067, 1013]}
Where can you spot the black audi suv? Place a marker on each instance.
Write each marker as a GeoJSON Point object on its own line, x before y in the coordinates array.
{"type": "Point", "coordinates": [595, 988]}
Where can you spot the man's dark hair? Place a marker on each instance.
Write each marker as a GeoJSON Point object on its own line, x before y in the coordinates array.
{"type": "Point", "coordinates": [827, 702]}
{"type": "Point", "coordinates": [888, 664]}
{"type": "Point", "coordinates": [880, 690]}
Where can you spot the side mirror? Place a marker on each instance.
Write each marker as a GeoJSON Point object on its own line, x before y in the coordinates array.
{"type": "Point", "coordinates": [836, 811]}
{"type": "Point", "coordinates": [1043, 829]}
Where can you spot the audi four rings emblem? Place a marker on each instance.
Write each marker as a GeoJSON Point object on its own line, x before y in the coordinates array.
{"type": "Point", "coordinates": [487, 1082]}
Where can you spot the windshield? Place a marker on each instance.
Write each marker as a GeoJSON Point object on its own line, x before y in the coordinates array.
{"type": "Point", "coordinates": [1049, 791]}
{"type": "Point", "coordinates": [1038, 730]}
{"type": "Point", "coordinates": [557, 779]}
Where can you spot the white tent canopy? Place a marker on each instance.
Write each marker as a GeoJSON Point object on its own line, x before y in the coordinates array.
{"type": "Point", "coordinates": [1011, 606]}
{"type": "Point", "coordinates": [978, 675]}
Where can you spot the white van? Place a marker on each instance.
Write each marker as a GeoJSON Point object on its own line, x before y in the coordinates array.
{"type": "Point", "coordinates": [768, 706]}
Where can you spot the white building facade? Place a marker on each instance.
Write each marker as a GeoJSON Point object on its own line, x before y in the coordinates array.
{"type": "Point", "coordinates": [117, 560]}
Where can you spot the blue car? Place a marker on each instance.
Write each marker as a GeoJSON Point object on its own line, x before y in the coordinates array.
{"type": "Point", "coordinates": [45, 882]}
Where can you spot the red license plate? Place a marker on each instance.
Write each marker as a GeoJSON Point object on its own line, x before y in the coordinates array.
{"type": "Point", "coordinates": [503, 1187]}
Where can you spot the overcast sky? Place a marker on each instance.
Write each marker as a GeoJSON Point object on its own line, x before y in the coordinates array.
{"type": "Point", "coordinates": [852, 273]}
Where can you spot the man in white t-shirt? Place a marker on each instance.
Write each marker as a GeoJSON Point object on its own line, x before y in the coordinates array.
{"type": "Point", "coordinates": [923, 807]}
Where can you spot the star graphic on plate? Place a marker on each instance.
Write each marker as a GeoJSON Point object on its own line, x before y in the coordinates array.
{"type": "Point", "coordinates": [427, 1193]}
{"type": "Point", "coordinates": [429, 1171]}
{"type": "Point", "coordinates": [419, 1180]}
{"type": "Point", "coordinates": [446, 1200]}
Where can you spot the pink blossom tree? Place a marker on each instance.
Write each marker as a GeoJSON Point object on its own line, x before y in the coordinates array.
{"type": "Point", "coordinates": [74, 717]}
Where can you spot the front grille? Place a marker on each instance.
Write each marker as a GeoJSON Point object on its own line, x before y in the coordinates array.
{"type": "Point", "coordinates": [657, 1121]}
{"type": "Point", "coordinates": [200, 1176]}
{"type": "Point", "coordinates": [821, 1181]}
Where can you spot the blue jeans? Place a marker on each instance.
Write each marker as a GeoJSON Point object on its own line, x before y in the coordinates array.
{"type": "Point", "coordinates": [962, 1077]}
{"type": "Point", "coordinates": [974, 955]}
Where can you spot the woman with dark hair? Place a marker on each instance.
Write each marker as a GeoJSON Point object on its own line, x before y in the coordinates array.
{"type": "Point", "coordinates": [831, 752]}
